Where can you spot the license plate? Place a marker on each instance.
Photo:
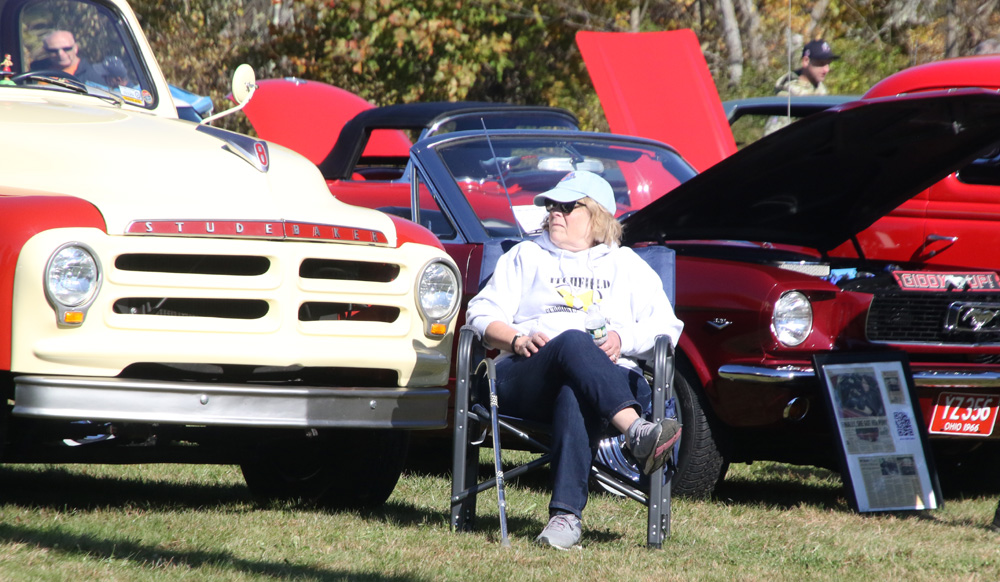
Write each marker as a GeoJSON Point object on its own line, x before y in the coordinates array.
{"type": "Point", "coordinates": [964, 414]}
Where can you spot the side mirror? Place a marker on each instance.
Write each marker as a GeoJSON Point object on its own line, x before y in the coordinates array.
{"type": "Point", "coordinates": [243, 86]}
{"type": "Point", "coordinates": [244, 83]}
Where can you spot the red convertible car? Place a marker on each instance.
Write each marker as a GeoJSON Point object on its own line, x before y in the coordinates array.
{"type": "Point", "coordinates": [758, 291]}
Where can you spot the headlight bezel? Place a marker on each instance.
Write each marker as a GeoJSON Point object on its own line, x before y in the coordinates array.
{"type": "Point", "coordinates": [789, 328]}
{"type": "Point", "coordinates": [72, 312]}
{"type": "Point", "coordinates": [440, 315]}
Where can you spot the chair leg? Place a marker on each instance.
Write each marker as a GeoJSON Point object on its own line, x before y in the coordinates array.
{"type": "Point", "coordinates": [465, 455]}
{"type": "Point", "coordinates": [658, 519]}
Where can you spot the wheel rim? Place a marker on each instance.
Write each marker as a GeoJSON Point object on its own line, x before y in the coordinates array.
{"type": "Point", "coordinates": [613, 453]}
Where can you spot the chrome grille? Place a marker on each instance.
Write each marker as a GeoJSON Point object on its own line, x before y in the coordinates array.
{"type": "Point", "coordinates": [915, 317]}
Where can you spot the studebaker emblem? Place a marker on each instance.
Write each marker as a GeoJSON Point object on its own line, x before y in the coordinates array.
{"type": "Point", "coordinates": [974, 317]}
{"type": "Point", "coordinates": [262, 229]}
{"type": "Point", "coordinates": [923, 281]}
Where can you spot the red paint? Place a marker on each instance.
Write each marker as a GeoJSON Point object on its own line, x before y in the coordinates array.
{"type": "Point", "coordinates": [25, 215]}
{"type": "Point", "coordinates": [657, 85]}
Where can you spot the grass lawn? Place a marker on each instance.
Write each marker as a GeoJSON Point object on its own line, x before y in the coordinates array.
{"type": "Point", "coordinates": [185, 522]}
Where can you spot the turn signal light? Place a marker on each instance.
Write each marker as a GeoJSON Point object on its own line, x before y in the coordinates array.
{"type": "Point", "coordinates": [73, 317]}
{"type": "Point", "coordinates": [438, 328]}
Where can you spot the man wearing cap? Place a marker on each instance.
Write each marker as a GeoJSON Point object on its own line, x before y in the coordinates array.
{"type": "Point", "coordinates": [534, 308]}
{"type": "Point", "coordinates": [807, 80]}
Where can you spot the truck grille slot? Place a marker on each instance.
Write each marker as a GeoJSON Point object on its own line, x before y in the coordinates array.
{"type": "Point", "coordinates": [343, 270]}
{"type": "Point", "coordinates": [188, 307]}
{"type": "Point", "coordinates": [920, 318]}
{"type": "Point", "coordinates": [323, 311]}
{"type": "Point", "coordinates": [239, 266]}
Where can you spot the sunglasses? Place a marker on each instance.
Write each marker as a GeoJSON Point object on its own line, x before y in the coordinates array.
{"type": "Point", "coordinates": [57, 50]}
{"type": "Point", "coordinates": [562, 207]}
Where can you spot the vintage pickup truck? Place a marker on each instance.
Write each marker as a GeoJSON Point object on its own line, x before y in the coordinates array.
{"type": "Point", "coordinates": [174, 292]}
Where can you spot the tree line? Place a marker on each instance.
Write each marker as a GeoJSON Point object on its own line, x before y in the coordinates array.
{"type": "Point", "coordinates": [391, 51]}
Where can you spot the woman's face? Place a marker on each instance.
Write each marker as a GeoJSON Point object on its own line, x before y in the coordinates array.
{"type": "Point", "coordinates": [570, 230]}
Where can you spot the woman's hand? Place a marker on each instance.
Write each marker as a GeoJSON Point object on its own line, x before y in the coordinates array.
{"type": "Point", "coordinates": [530, 344]}
{"type": "Point", "coordinates": [613, 346]}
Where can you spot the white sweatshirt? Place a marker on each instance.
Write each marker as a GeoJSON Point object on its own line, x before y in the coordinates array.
{"type": "Point", "coordinates": [539, 287]}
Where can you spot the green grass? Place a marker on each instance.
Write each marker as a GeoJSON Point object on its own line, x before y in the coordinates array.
{"type": "Point", "coordinates": [170, 522]}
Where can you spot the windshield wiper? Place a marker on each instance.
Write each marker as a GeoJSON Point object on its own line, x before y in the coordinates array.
{"type": "Point", "coordinates": [75, 86]}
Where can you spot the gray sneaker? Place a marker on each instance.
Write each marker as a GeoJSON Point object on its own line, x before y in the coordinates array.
{"type": "Point", "coordinates": [652, 447]}
{"type": "Point", "coordinates": [562, 533]}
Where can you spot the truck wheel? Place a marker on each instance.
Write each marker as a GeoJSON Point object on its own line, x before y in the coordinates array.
{"type": "Point", "coordinates": [334, 469]}
{"type": "Point", "coordinates": [700, 464]}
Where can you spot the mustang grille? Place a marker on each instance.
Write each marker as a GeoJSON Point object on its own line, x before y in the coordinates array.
{"type": "Point", "coordinates": [922, 317]}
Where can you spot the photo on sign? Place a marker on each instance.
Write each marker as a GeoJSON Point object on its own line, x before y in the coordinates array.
{"type": "Point", "coordinates": [893, 387]}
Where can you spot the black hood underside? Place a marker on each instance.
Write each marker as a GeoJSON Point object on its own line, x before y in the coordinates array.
{"type": "Point", "coordinates": [825, 178]}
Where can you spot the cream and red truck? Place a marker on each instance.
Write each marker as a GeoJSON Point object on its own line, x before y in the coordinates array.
{"type": "Point", "coordinates": [175, 292]}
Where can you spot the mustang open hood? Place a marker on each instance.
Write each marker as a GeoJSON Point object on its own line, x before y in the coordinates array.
{"type": "Point", "coordinates": [827, 177]}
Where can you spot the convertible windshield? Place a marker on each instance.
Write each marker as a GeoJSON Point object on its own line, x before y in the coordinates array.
{"type": "Point", "coordinates": [73, 40]}
{"type": "Point", "coordinates": [500, 174]}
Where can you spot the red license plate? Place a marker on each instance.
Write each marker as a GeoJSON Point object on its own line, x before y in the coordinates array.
{"type": "Point", "coordinates": [964, 414]}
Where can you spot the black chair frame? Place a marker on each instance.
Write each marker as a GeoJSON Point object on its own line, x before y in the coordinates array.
{"type": "Point", "coordinates": [471, 414]}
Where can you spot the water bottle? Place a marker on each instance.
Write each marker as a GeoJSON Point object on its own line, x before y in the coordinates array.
{"type": "Point", "coordinates": [596, 325]}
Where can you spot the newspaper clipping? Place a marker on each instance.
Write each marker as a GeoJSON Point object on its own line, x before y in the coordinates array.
{"type": "Point", "coordinates": [875, 418]}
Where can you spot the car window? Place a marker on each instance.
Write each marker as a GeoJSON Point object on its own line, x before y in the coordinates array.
{"type": "Point", "coordinates": [983, 171]}
{"type": "Point", "coordinates": [106, 54]}
{"type": "Point", "coordinates": [500, 176]}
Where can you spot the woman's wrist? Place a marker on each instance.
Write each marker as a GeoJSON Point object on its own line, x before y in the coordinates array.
{"type": "Point", "coordinates": [513, 342]}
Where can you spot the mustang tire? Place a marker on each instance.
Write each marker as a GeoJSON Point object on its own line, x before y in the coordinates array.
{"type": "Point", "coordinates": [700, 465]}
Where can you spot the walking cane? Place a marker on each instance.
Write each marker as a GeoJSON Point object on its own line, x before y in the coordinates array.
{"type": "Point", "coordinates": [491, 376]}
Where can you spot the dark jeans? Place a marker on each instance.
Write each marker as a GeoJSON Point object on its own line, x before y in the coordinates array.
{"type": "Point", "coordinates": [572, 385]}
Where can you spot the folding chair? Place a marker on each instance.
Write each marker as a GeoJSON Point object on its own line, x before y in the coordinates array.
{"type": "Point", "coordinates": [473, 368]}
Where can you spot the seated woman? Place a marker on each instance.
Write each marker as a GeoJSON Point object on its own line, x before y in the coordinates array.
{"type": "Point", "coordinates": [535, 307]}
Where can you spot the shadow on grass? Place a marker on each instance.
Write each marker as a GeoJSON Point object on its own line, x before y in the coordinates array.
{"type": "Point", "coordinates": [75, 546]}
{"type": "Point", "coordinates": [783, 486]}
{"type": "Point", "coordinates": [60, 489]}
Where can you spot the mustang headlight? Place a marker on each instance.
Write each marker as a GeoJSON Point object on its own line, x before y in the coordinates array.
{"type": "Point", "coordinates": [438, 293]}
{"type": "Point", "coordinates": [72, 278]}
{"type": "Point", "coordinates": [792, 319]}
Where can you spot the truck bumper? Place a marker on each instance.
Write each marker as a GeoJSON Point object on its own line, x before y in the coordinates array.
{"type": "Point", "coordinates": [192, 403]}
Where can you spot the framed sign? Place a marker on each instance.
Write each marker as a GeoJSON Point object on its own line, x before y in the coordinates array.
{"type": "Point", "coordinates": [874, 411]}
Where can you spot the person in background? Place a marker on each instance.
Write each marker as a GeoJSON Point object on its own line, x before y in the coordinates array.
{"type": "Point", "coordinates": [535, 308]}
{"type": "Point", "coordinates": [806, 80]}
{"type": "Point", "coordinates": [63, 55]}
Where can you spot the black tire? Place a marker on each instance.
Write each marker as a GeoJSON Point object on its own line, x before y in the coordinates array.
{"type": "Point", "coordinates": [333, 469]}
{"type": "Point", "coordinates": [700, 465]}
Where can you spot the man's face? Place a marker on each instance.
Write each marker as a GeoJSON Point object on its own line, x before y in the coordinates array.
{"type": "Point", "coordinates": [61, 48]}
{"type": "Point", "coordinates": [815, 70]}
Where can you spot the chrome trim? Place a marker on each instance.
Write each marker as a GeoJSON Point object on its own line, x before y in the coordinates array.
{"type": "Point", "coordinates": [193, 403]}
{"type": "Point", "coordinates": [957, 379]}
{"type": "Point", "coordinates": [763, 375]}
{"type": "Point", "coordinates": [930, 379]}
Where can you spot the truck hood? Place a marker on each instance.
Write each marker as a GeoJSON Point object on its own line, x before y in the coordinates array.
{"type": "Point", "coordinates": [829, 176]}
{"type": "Point", "coordinates": [107, 155]}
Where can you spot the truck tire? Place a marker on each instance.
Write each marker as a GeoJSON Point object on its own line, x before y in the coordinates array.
{"type": "Point", "coordinates": [334, 469]}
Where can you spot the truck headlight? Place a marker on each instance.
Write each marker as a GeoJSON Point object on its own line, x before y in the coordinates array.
{"type": "Point", "coordinates": [792, 319]}
{"type": "Point", "coordinates": [438, 293]}
{"type": "Point", "coordinates": [72, 278]}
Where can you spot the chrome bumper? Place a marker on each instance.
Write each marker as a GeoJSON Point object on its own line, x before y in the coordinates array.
{"type": "Point", "coordinates": [761, 375]}
{"type": "Point", "coordinates": [192, 403]}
